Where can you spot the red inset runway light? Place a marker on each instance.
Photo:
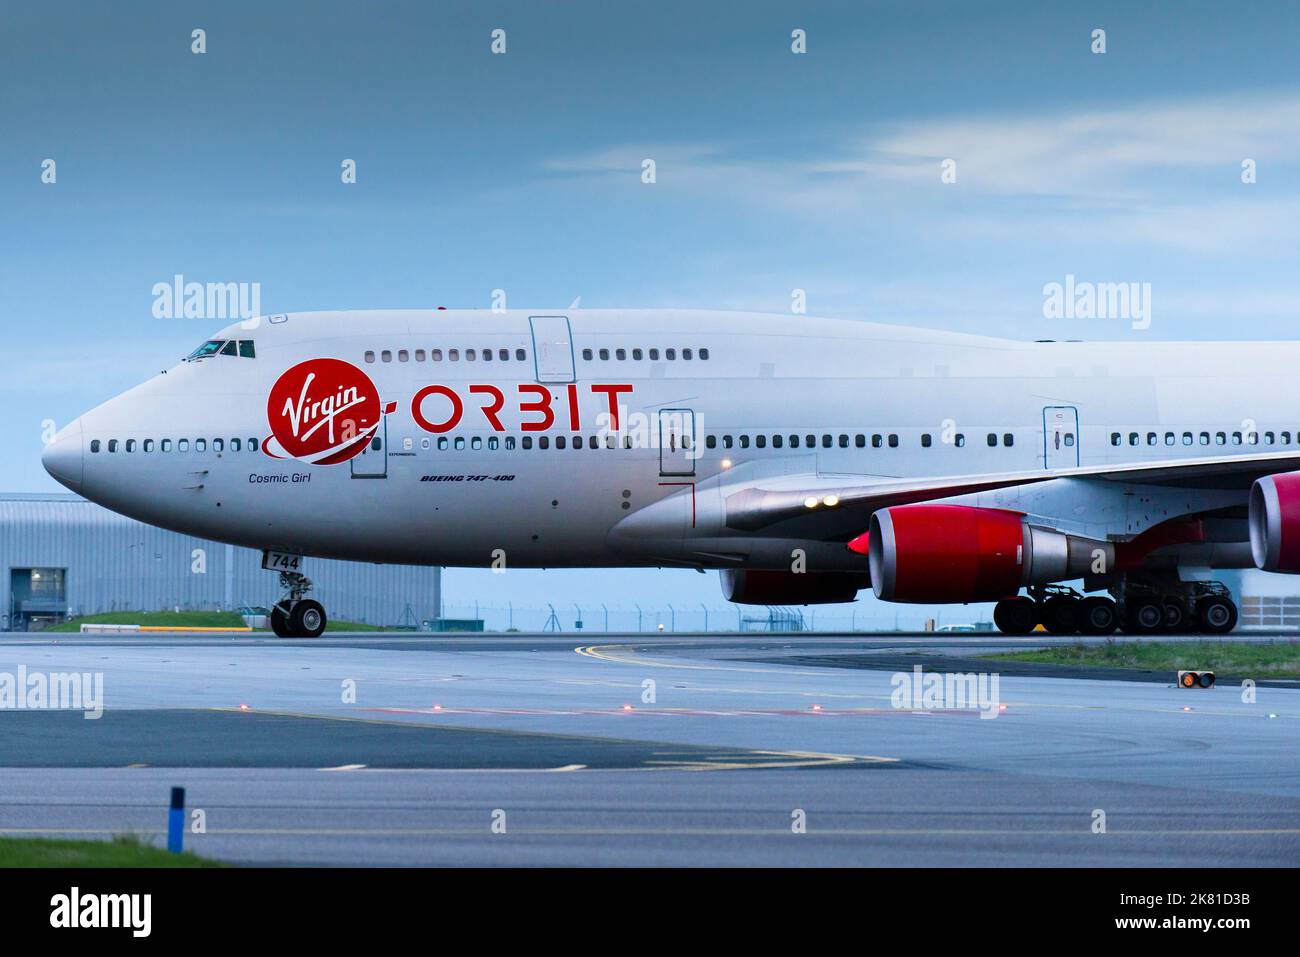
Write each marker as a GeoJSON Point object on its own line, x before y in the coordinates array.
{"type": "Point", "coordinates": [243, 707]}
{"type": "Point", "coordinates": [437, 707]}
{"type": "Point", "coordinates": [1186, 708]}
{"type": "Point", "coordinates": [816, 707]}
{"type": "Point", "coordinates": [627, 707]}
{"type": "Point", "coordinates": [1002, 707]}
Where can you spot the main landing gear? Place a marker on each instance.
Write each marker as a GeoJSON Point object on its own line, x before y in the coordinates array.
{"type": "Point", "coordinates": [295, 616]}
{"type": "Point", "coordinates": [1060, 610]}
{"type": "Point", "coordinates": [1143, 608]}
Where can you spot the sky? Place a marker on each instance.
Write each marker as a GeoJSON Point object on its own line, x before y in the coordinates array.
{"type": "Point", "coordinates": [521, 171]}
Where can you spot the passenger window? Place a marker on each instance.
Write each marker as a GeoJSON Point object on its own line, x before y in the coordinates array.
{"type": "Point", "coordinates": [112, 445]}
{"type": "Point", "coordinates": [148, 445]}
{"type": "Point", "coordinates": [710, 441]}
{"type": "Point", "coordinates": [94, 446]}
{"type": "Point", "coordinates": [493, 441]}
{"type": "Point", "coordinates": [459, 443]}
{"type": "Point", "coordinates": [165, 445]}
{"type": "Point", "coordinates": [543, 442]}
{"type": "Point", "coordinates": [252, 445]}
{"type": "Point", "coordinates": [561, 442]}
{"type": "Point", "coordinates": [526, 442]}
{"type": "Point", "coordinates": [1132, 438]}
{"type": "Point", "coordinates": [370, 355]}
{"type": "Point", "coordinates": [419, 355]}
{"type": "Point", "coordinates": [1220, 438]}
{"type": "Point", "coordinates": [1286, 438]}
{"type": "Point", "coordinates": [959, 440]}
{"type": "Point", "coordinates": [200, 445]}
{"type": "Point", "coordinates": [726, 441]}
{"type": "Point", "coordinates": [1205, 438]}
{"type": "Point", "coordinates": [424, 444]}
{"type": "Point", "coordinates": [794, 441]}
{"type": "Point", "coordinates": [1187, 438]}
{"type": "Point", "coordinates": [860, 440]}
{"type": "Point", "coordinates": [1114, 438]}
{"type": "Point", "coordinates": [844, 441]}
{"type": "Point", "coordinates": [636, 354]}
{"type": "Point", "coordinates": [453, 355]}
{"type": "Point", "coordinates": [403, 355]}
{"type": "Point", "coordinates": [234, 445]}
{"type": "Point", "coordinates": [1008, 439]}
{"type": "Point", "coordinates": [476, 442]}
{"type": "Point", "coordinates": [510, 443]}
{"type": "Point", "coordinates": [760, 441]}
{"type": "Point", "coordinates": [604, 353]}
{"type": "Point", "coordinates": [778, 442]}
{"type": "Point", "coordinates": [686, 353]}
{"type": "Point", "coordinates": [182, 445]}
{"type": "Point", "coordinates": [130, 445]}
{"type": "Point", "coordinates": [470, 355]}
{"type": "Point", "coordinates": [744, 441]}
{"type": "Point", "coordinates": [654, 354]}
{"type": "Point", "coordinates": [521, 355]}
{"type": "Point", "coordinates": [436, 355]}
{"type": "Point", "coordinates": [1236, 439]}
{"type": "Point", "coordinates": [704, 353]}
{"type": "Point", "coordinates": [620, 354]}
{"type": "Point", "coordinates": [826, 441]}
{"type": "Point", "coordinates": [1069, 440]}
{"type": "Point", "coordinates": [217, 445]}
{"type": "Point", "coordinates": [877, 441]}
{"type": "Point", "coordinates": [503, 355]}
{"type": "Point", "coordinates": [1268, 438]}
{"type": "Point", "coordinates": [992, 439]}
{"type": "Point", "coordinates": [442, 443]}
{"type": "Point", "coordinates": [1151, 438]}
{"type": "Point", "coordinates": [386, 355]}
{"type": "Point", "coordinates": [925, 440]}
{"type": "Point", "coordinates": [670, 354]}
{"type": "Point", "coordinates": [246, 350]}
{"type": "Point", "coordinates": [487, 355]}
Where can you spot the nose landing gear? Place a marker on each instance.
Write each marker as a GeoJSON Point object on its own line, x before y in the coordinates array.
{"type": "Point", "coordinates": [295, 616]}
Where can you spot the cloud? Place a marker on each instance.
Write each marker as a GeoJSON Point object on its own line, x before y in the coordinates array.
{"type": "Point", "coordinates": [1159, 173]}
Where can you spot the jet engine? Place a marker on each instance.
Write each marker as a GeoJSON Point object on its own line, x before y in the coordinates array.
{"type": "Point", "coordinates": [757, 587]}
{"type": "Point", "coordinates": [1275, 522]}
{"type": "Point", "coordinates": [960, 553]}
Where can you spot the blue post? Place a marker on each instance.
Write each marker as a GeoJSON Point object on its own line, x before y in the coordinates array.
{"type": "Point", "coordinates": [176, 821]}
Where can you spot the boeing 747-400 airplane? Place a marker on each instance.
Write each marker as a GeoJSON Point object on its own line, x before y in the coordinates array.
{"type": "Point", "coordinates": [804, 458]}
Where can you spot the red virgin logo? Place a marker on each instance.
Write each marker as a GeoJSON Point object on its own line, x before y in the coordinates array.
{"type": "Point", "coordinates": [322, 411]}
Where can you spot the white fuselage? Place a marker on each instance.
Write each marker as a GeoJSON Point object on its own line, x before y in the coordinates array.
{"type": "Point", "coordinates": [779, 399]}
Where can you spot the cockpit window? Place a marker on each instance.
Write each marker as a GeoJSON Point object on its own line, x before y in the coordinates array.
{"type": "Point", "coordinates": [243, 348]}
{"type": "Point", "coordinates": [208, 348]}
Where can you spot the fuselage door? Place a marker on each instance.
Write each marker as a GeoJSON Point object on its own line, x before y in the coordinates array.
{"type": "Point", "coordinates": [552, 348]}
{"type": "Point", "coordinates": [1061, 436]}
{"type": "Point", "coordinates": [373, 460]}
{"type": "Point", "coordinates": [677, 451]}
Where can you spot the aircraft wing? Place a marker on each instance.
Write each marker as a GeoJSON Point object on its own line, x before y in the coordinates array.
{"type": "Point", "coordinates": [755, 507]}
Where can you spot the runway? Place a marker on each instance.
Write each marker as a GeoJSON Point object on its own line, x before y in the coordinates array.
{"type": "Point", "coordinates": [644, 750]}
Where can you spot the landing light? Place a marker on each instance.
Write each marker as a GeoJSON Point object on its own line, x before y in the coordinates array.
{"type": "Point", "coordinates": [830, 501]}
{"type": "Point", "coordinates": [810, 502]}
{"type": "Point", "coordinates": [726, 463]}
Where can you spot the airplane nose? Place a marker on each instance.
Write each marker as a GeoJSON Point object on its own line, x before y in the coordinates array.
{"type": "Point", "coordinates": [62, 458]}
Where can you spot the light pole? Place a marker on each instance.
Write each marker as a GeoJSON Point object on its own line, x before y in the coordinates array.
{"type": "Point", "coordinates": [606, 610]}
{"type": "Point", "coordinates": [672, 618]}
{"type": "Point", "coordinates": [638, 618]}
{"type": "Point", "coordinates": [706, 615]}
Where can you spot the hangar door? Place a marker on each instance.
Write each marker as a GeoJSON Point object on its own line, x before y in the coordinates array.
{"type": "Point", "coordinates": [552, 348]}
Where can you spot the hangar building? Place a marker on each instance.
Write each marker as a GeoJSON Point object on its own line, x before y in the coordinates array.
{"type": "Point", "coordinates": [62, 556]}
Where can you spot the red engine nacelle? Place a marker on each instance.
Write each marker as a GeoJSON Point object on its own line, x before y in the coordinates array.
{"type": "Point", "coordinates": [758, 587]}
{"type": "Point", "coordinates": [1275, 522]}
{"type": "Point", "coordinates": [960, 553]}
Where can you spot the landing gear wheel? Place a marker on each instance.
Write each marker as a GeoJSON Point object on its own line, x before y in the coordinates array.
{"type": "Point", "coordinates": [307, 619]}
{"type": "Point", "coordinates": [280, 623]}
{"type": "Point", "coordinates": [1145, 617]}
{"type": "Point", "coordinates": [1175, 616]}
{"type": "Point", "coordinates": [1098, 616]}
{"type": "Point", "coordinates": [1061, 615]}
{"type": "Point", "coordinates": [1015, 616]}
{"type": "Point", "coordinates": [1218, 615]}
